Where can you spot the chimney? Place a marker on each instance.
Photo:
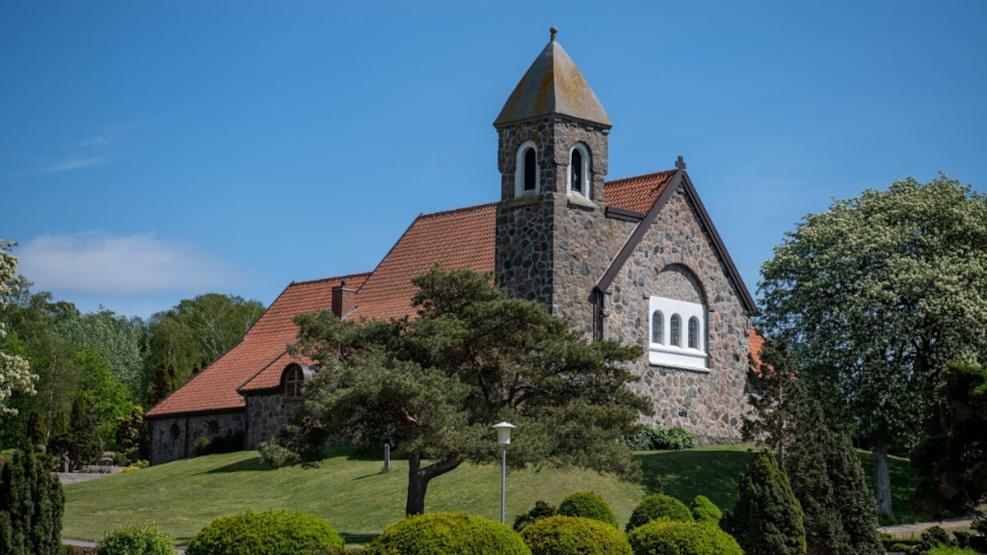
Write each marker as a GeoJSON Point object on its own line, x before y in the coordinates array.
{"type": "Point", "coordinates": [342, 299]}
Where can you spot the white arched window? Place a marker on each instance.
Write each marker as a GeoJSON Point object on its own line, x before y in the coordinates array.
{"type": "Point", "coordinates": [657, 328]}
{"type": "Point", "coordinates": [668, 347]}
{"type": "Point", "coordinates": [579, 164]}
{"type": "Point", "coordinates": [527, 180]}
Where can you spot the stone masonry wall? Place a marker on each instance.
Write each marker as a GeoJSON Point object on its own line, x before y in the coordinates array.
{"type": "Point", "coordinates": [676, 259]}
{"type": "Point", "coordinates": [266, 414]}
{"type": "Point", "coordinates": [166, 448]}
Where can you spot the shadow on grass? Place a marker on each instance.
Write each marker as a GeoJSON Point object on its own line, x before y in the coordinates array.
{"type": "Point", "coordinates": [247, 465]}
{"type": "Point", "coordinates": [361, 539]}
{"type": "Point", "coordinates": [686, 474]}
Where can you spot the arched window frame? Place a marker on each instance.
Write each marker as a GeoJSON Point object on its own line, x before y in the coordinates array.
{"type": "Point", "coordinates": [675, 331]}
{"type": "Point", "coordinates": [657, 328]}
{"type": "Point", "coordinates": [519, 170]}
{"type": "Point", "coordinates": [667, 353]}
{"type": "Point", "coordinates": [693, 341]}
{"type": "Point", "coordinates": [175, 431]}
{"type": "Point", "coordinates": [293, 378]}
{"type": "Point", "coordinates": [586, 186]}
{"type": "Point", "coordinates": [213, 428]}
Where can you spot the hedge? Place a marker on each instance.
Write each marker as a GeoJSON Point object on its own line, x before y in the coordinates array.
{"type": "Point", "coordinates": [267, 533]}
{"type": "Point", "coordinates": [682, 538]}
{"type": "Point", "coordinates": [566, 535]}
{"type": "Point", "coordinates": [448, 533]}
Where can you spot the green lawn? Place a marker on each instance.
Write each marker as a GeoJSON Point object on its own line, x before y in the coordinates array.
{"type": "Point", "coordinates": [359, 500]}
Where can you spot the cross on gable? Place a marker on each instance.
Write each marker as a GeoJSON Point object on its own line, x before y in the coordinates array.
{"type": "Point", "coordinates": [680, 163]}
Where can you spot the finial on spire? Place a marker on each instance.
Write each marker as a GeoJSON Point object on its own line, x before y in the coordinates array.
{"type": "Point", "coordinates": [680, 163]}
{"type": "Point", "coordinates": [554, 30]}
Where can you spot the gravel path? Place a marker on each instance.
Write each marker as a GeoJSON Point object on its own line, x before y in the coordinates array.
{"type": "Point", "coordinates": [907, 530]}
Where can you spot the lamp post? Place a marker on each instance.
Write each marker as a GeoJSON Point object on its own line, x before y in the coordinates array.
{"type": "Point", "coordinates": [504, 439]}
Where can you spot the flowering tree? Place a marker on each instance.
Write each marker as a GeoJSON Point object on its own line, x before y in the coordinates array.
{"type": "Point", "coordinates": [15, 375]}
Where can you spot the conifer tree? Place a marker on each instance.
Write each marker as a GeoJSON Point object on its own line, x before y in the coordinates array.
{"type": "Point", "coordinates": [767, 519]}
{"type": "Point", "coordinates": [37, 432]}
{"type": "Point", "coordinates": [132, 433]}
{"type": "Point", "coordinates": [85, 444]}
{"type": "Point", "coordinates": [31, 508]}
{"type": "Point", "coordinates": [58, 443]}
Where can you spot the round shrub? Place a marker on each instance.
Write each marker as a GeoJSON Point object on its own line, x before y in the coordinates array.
{"type": "Point", "coordinates": [135, 539]}
{"type": "Point", "coordinates": [682, 538]}
{"type": "Point", "coordinates": [703, 510]}
{"type": "Point", "coordinates": [539, 511]}
{"type": "Point", "coordinates": [588, 505]}
{"type": "Point", "coordinates": [659, 507]}
{"type": "Point", "coordinates": [565, 535]}
{"type": "Point", "coordinates": [448, 533]}
{"type": "Point", "coordinates": [267, 533]}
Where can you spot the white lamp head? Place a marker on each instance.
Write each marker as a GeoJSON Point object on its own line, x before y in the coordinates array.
{"type": "Point", "coordinates": [504, 432]}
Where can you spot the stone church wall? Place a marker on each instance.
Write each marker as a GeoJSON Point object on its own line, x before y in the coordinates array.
{"type": "Point", "coordinates": [166, 447]}
{"type": "Point", "coordinates": [266, 414]}
{"type": "Point", "coordinates": [676, 259]}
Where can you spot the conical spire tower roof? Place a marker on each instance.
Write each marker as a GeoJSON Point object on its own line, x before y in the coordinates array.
{"type": "Point", "coordinates": [552, 85]}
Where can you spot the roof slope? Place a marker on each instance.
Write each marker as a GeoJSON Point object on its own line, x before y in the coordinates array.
{"type": "Point", "coordinates": [552, 85]}
{"type": "Point", "coordinates": [215, 387]}
{"type": "Point", "coordinates": [637, 193]}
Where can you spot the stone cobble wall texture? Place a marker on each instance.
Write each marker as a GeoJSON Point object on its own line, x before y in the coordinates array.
{"type": "Point", "coordinates": [166, 448]}
{"type": "Point", "coordinates": [267, 414]}
{"type": "Point", "coordinates": [676, 259]}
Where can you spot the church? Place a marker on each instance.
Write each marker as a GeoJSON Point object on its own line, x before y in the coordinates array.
{"type": "Point", "coordinates": [636, 260]}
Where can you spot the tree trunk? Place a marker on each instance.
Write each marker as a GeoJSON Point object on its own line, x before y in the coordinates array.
{"type": "Point", "coordinates": [882, 479]}
{"type": "Point", "coordinates": [417, 486]}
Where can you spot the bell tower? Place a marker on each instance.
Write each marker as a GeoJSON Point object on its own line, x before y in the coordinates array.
{"type": "Point", "coordinates": [552, 156]}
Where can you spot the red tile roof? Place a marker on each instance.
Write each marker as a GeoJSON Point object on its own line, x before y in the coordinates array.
{"type": "Point", "coordinates": [757, 341]}
{"type": "Point", "coordinates": [215, 387]}
{"type": "Point", "coordinates": [636, 193]}
{"type": "Point", "coordinates": [462, 238]}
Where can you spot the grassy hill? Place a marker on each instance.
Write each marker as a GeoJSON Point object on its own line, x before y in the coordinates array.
{"type": "Point", "coordinates": [359, 500]}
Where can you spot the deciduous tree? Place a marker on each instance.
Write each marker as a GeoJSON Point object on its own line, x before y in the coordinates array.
{"type": "Point", "coordinates": [874, 297]}
{"type": "Point", "coordinates": [15, 373]}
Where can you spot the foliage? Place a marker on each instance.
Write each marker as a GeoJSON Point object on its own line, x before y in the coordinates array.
{"type": "Point", "coordinates": [767, 519]}
{"type": "Point", "coordinates": [539, 511]}
{"type": "Point", "coordinates": [189, 336]}
{"type": "Point", "coordinates": [682, 538]}
{"type": "Point", "coordinates": [135, 539]}
{"type": "Point", "coordinates": [225, 443]}
{"type": "Point", "coordinates": [952, 459]}
{"type": "Point", "coordinates": [587, 504]}
{"type": "Point", "coordinates": [444, 533]}
{"type": "Point", "coordinates": [84, 443]}
{"type": "Point", "coordinates": [31, 507]}
{"type": "Point", "coordinates": [136, 466]}
{"type": "Point", "coordinates": [123, 341]}
{"type": "Point", "coordinates": [563, 535]}
{"type": "Point", "coordinates": [658, 507]}
{"type": "Point", "coordinates": [874, 297]}
{"type": "Point", "coordinates": [641, 438]}
{"type": "Point", "coordinates": [471, 358]}
{"type": "Point", "coordinates": [107, 397]}
{"type": "Point", "coordinates": [703, 510]}
{"type": "Point", "coordinates": [60, 438]}
{"type": "Point", "coordinates": [266, 533]}
{"type": "Point", "coordinates": [133, 435]}
{"type": "Point", "coordinates": [646, 438]}
{"type": "Point", "coordinates": [37, 431]}
{"type": "Point", "coordinates": [15, 372]}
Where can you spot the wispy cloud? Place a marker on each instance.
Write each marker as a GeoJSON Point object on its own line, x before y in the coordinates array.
{"type": "Point", "coordinates": [73, 163]}
{"type": "Point", "coordinates": [99, 262]}
{"type": "Point", "coordinates": [94, 140]}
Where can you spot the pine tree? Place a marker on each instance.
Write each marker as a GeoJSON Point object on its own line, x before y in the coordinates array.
{"type": "Point", "coordinates": [855, 501]}
{"type": "Point", "coordinates": [31, 508]}
{"type": "Point", "coordinates": [85, 444]}
{"type": "Point", "coordinates": [767, 519]}
{"type": "Point", "coordinates": [37, 432]}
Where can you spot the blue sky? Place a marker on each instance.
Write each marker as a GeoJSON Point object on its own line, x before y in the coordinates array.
{"type": "Point", "coordinates": [152, 151]}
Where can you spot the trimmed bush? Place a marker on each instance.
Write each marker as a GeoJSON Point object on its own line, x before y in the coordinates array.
{"type": "Point", "coordinates": [682, 538]}
{"type": "Point", "coordinates": [646, 438]}
{"type": "Point", "coordinates": [31, 507]}
{"type": "Point", "coordinates": [588, 505]}
{"type": "Point", "coordinates": [267, 533]}
{"type": "Point", "coordinates": [539, 511]}
{"type": "Point", "coordinates": [703, 510]}
{"type": "Point", "coordinates": [565, 535]}
{"type": "Point", "coordinates": [658, 507]}
{"type": "Point", "coordinates": [135, 539]}
{"type": "Point", "coordinates": [447, 533]}
{"type": "Point", "coordinates": [136, 466]}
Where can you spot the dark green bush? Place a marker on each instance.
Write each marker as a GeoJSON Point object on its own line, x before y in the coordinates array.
{"type": "Point", "coordinates": [646, 438]}
{"type": "Point", "coordinates": [682, 538]}
{"type": "Point", "coordinates": [935, 536]}
{"type": "Point", "coordinates": [565, 535]}
{"type": "Point", "coordinates": [658, 507]}
{"type": "Point", "coordinates": [226, 443]}
{"type": "Point", "coordinates": [448, 533]}
{"type": "Point", "coordinates": [31, 507]}
{"type": "Point", "coordinates": [539, 511]}
{"type": "Point", "coordinates": [767, 519]}
{"type": "Point", "coordinates": [588, 505]}
{"type": "Point", "coordinates": [267, 533]}
{"type": "Point", "coordinates": [135, 539]}
{"type": "Point", "coordinates": [703, 510]}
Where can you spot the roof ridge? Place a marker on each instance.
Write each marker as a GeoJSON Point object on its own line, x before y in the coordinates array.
{"type": "Point", "coordinates": [633, 177]}
{"type": "Point", "coordinates": [334, 278]}
{"type": "Point", "coordinates": [462, 209]}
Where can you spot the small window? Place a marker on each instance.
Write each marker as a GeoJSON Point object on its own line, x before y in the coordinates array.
{"type": "Point", "coordinates": [530, 167]}
{"type": "Point", "coordinates": [675, 330]}
{"type": "Point", "coordinates": [657, 328]}
{"type": "Point", "coordinates": [693, 333]}
{"type": "Point", "coordinates": [213, 428]}
{"type": "Point", "coordinates": [293, 383]}
{"type": "Point", "coordinates": [576, 171]}
{"type": "Point", "coordinates": [176, 432]}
